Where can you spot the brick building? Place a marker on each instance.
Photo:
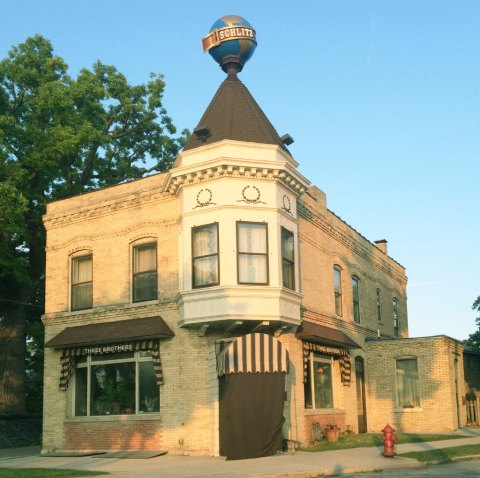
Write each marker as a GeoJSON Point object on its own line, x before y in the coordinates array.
{"type": "Point", "coordinates": [223, 301]}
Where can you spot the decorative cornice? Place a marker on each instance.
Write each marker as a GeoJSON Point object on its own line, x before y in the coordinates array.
{"type": "Point", "coordinates": [329, 228]}
{"type": "Point", "coordinates": [339, 323]}
{"type": "Point", "coordinates": [177, 181]}
{"type": "Point", "coordinates": [103, 208]}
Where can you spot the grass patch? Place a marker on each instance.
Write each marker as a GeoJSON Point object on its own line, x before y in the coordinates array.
{"type": "Point", "coordinates": [445, 455]}
{"type": "Point", "coordinates": [45, 473]}
{"type": "Point", "coordinates": [374, 439]}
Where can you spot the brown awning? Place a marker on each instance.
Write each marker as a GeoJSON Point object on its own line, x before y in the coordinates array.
{"type": "Point", "coordinates": [320, 334]}
{"type": "Point", "coordinates": [130, 330]}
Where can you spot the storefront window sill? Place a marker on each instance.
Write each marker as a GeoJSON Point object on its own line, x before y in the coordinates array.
{"type": "Point", "coordinates": [115, 418]}
{"type": "Point", "coordinates": [323, 411]}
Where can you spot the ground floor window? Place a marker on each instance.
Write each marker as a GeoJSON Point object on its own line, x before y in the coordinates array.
{"type": "Point", "coordinates": [115, 383]}
{"type": "Point", "coordinates": [407, 383]}
{"type": "Point", "coordinates": [319, 382]}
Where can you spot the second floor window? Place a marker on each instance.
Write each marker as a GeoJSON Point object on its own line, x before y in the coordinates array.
{"type": "Point", "coordinates": [82, 283]}
{"type": "Point", "coordinates": [379, 306]}
{"type": "Point", "coordinates": [205, 255]}
{"type": "Point", "coordinates": [252, 253]}
{"type": "Point", "coordinates": [395, 317]}
{"type": "Point", "coordinates": [337, 285]}
{"type": "Point", "coordinates": [145, 272]}
{"type": "Point", "coordinates": [356, 299]}
{"type": "Point", "coordinates": [288, 259]}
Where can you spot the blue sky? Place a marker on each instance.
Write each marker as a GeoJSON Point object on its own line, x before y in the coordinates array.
{"type": "Point", "coordinates": [382, 98]}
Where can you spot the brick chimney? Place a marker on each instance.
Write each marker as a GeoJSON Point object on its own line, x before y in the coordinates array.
{"type": "Point", "coordinates": [382, 245]}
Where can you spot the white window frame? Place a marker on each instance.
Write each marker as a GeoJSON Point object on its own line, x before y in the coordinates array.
{"type": "Point", "coordinates": [338, 294]}
{"type": "Point", "coordinates": [312, 359]}
{"type": "Point", "coordinates": [137, 359]}
{"type": "Point", "coordinates": [142, 243]}
{"type": "Point", "coordinates": [75, 257]}
{"type": "Point", "coordinates": [397, 397]}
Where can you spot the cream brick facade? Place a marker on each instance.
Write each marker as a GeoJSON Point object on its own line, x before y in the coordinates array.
{"type": "Point", "coordinates": [225, 183]}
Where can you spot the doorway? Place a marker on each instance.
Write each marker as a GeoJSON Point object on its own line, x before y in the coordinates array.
{"type": "Point", "coordinates": [251, 376]}
{"type": "Point", "coordinates": [361, 402]}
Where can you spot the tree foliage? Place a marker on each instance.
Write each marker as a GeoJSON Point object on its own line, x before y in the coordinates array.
{"type": "Point", "coordinates": [61, 136]}
{"type": "Point", "coordinates": [473, 340]}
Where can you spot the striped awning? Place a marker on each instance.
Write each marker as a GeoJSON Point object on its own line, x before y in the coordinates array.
{"type": "Point", "coordinates": [253, 353]}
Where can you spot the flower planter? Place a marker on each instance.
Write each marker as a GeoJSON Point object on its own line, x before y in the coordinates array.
{"type": "Point", "coordinates": [332, 434]}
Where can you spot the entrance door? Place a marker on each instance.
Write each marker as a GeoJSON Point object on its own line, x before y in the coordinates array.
{"type": "Point", "coordinates": [361, 404]}
{"type": "Point", "coordinates": [251, 414]}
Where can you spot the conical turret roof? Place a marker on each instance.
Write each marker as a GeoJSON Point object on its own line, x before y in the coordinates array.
{"type": "Point", "coordinates": [234, 114]}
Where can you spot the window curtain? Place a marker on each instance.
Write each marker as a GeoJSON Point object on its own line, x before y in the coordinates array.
{"type": "Point", "coordinates": [145, 258]}
{"type": "Point", "coordinates": [205, 242]}
{"type": "Point", "coordinates": [67, 361]}
{"type": "Point", "coordinates": [252, 248]}
{"type": "Point", "coordinates": [82, 269]}
{"type": "Point", "coordinates": [407, 383]}
{"type": "Point", "coordinates": [205, 259]}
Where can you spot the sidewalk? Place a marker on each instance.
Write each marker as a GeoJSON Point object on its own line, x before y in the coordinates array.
{"type": "Point", "coordinates": [298, 465]}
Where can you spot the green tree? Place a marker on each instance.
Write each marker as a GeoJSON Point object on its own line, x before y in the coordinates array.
{"type": "Point", "coordinates": [61, 136]}
{"type": "Point", "coordinates": [473, 340]}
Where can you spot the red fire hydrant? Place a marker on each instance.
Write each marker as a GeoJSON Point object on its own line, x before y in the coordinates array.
{"type": "Point", "coordinates": [389, 439]}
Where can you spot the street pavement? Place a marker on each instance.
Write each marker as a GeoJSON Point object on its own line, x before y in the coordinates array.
{"type": "Point", "coordinates": [297, 465]}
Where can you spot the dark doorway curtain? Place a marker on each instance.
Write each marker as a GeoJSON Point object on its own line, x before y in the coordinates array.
{"type": "Point", "coordinates": [251, 414]}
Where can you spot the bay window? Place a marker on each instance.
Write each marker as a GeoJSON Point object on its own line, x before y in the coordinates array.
{"type": "Point", "coordinates": [288, 259]}
{"type": "Point", "coordinates": [205, 267]}
{"type": "Point", "coordinates": [252, 257]}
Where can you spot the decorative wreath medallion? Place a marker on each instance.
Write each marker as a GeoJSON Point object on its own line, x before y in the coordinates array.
{"type": "Point", "coordinates": [204, 198]}
{"type": "Point", "coordinates": [286, 204]}
{"type": "Point", "coordinates": [251, 195]}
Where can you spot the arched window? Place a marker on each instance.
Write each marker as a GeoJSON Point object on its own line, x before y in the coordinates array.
{"type": "Point", "coordinates": [337, 285]}
{"type": "Point", "coordinates": [144, 279]}
{"type": "Point", "coordinates": [82, 281]}
{"type": "Point", "coordinates": [379, 306]}
{"type": "Point", "coordinates": [356, 299]}
{"type": "Point", "coordinates": [395, 317]}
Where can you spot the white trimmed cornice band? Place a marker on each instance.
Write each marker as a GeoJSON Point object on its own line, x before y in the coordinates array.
{"type": "Point", "coordinates": [176, 182]}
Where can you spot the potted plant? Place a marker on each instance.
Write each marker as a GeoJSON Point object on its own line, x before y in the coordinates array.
{"type": "Point", "coordinates": [114, 395]}
{"type": "Point", "coordinates": [100, 407]}
{"type": "Point", "coordinates": [150, 403]}
{"type": "Point", "coordinates": [332, 432]}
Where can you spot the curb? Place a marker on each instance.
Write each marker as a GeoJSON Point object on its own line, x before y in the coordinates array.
{"type": "Point", "coordinates": [411, 463]}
